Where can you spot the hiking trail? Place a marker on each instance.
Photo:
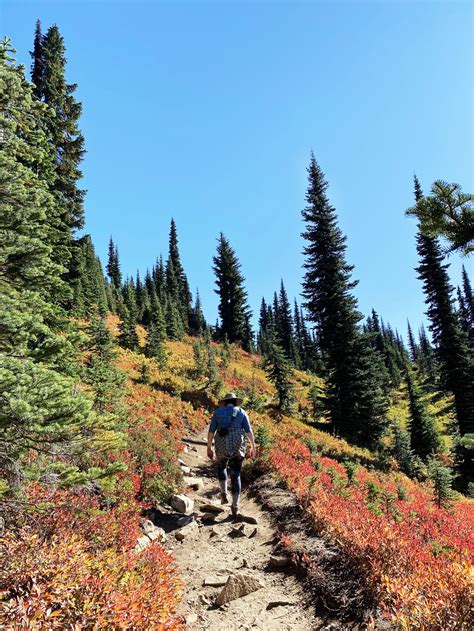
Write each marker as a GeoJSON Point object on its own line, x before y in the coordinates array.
{"type": "Point", "coordinates": [217, 549]}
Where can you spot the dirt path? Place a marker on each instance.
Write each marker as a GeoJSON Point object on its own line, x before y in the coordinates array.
{"type": "Point", "coordinates": [211, 551]}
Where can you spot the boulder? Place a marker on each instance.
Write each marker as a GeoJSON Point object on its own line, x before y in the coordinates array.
{"type": "Point", "coordinates": [240, 531]}
{"type": "Point", "coordinates": [182, 463]}
{"type": "Point", "coordinates": [249, 519]}
{"type": "Point", "coordinates": [211, 508]}
{"type": "Point", "coordinates": [187, 531]}
{"type": "Point", "coordinates": [215, 581]}
{"type": "Point", "coordinates": [147, 526]}
{"type": "Point", "coordinates": [191, 618]}
{"type": "Point", "coordinates": [142, 543]}
{"type": "Point", "coordinates": [194, 483]}
{"type": "Point", "coordinates": [185, 470]}
{"type": "Point", "coordinates": [278, 561]}
{"type": "Point", "coordinates": [157, 533]}
{"type": "Point", "coordinates": [209, 518]}
{"type": "Point", "coordinates": [237, 586]}
{"type": "Point", "coordinates": [182, 504]}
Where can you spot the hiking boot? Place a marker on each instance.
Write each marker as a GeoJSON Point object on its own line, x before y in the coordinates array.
{"type": "Point", "coordinates": [224, 498]}
{"type": "Point", "coordinates": [235, 511]}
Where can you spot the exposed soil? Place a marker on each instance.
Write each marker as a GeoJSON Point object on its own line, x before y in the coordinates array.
{"type": "Point", "coordinates": [290, 598]}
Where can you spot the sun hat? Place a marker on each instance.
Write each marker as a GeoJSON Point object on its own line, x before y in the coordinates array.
{"type": "Point", "coordinates": [230, 396]}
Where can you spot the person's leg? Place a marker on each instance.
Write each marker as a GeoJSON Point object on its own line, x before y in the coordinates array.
{"type": "Point", "coordinates": [235, 470]}
{"type": "Point", "coordinates": [222, 477]}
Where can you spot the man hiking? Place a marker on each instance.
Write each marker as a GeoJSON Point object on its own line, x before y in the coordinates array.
{"type": "Point", "coordinates": [230, 426]}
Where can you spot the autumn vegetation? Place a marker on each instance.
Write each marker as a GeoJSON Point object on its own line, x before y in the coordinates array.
{"type": "Point", "coordinates": [101, 376]}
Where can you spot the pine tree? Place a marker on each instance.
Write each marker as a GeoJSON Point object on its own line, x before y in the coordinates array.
{"type": "Point", "coordinates": [280, 374]}
{"type": "Point", "coordinates": [128, 337]}
{"type": "Point", "coordinates": [452, 347]}
{"type": "Point", "coordinates": [285, 326]}
{"type": "Point", "coordinates": [37, 65]}
{"type": "Point", "coordinates": [89, 290]}
{"type": "Point", "coordinates": [355, 396]}
{"type": "Point", "coordinates": [427, 359]}
{"type": "Point", "coordinates": [113, 266]}
{"type": "Point", "coordinates": [424, 438]}
{"type": "Point", "coordinates": [412, 345]}
{"type": "Point", "coordinates": [40, 410]}
{"type": "Point", "coordinates": [156, 336]}
{"type": "Point", "coordinates": [197, 322]}
{"type": "Point", "coordinates": [106, 380]}
{"type": "Point", "coordinates": [233, 309]}
{"type": "Point", "coordinates": [453, 352]}
{"type": "Point", "coordinates": [176, 280]}
{"type": "Point", "coordinates": [62, 127]}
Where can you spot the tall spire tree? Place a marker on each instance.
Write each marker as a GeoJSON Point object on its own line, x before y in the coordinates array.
{"type": "Point", "coordinates": [37, 64]}
{"type": "Point", "coordinates": [355, 395]}
{"type": "Point", "coordinates": [48, 74]}
{"type": "Point", "coordinates": [233, 310]}
{"type": "Point", "coordinates": [177, 282]}
{"type": "Point", "coordinates": [451, 344]}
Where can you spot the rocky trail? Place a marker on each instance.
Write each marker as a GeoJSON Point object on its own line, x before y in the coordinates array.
{"type": "Point", "coordinates": [235, 577]}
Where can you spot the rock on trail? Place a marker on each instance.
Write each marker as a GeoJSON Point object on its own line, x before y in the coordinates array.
{"type": "Point", "coordinates": [229, 584]}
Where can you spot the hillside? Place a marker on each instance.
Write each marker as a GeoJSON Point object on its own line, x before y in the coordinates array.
{"type": "Point", "coordinates": [409, 558]}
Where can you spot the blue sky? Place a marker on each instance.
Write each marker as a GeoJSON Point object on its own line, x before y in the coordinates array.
{"type": "Point", "coordinates": [207, 112]}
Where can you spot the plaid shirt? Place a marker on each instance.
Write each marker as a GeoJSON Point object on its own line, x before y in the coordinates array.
{"type": "Point", "coordinates": [235, 424]}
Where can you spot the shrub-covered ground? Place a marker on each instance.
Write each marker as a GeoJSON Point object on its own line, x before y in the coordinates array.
{"type": "Point", "coordinates": [72, 563]}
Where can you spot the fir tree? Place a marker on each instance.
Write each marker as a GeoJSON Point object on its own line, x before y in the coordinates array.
{"type": "Point", "coordinates": [37, 65]}
{"type": "Point", "coordinates": [285, 326]}
{"type": "Point", "coordinates": [412, 345]}
{"type": "Point", "coordinates": [355, 396]}
{"type": "Point", "coordinates": [89, 284]}
{"type": "Point", "coordinates": [40, 410]}
{"type": "Point", "coordinates": [106, 380]}
{"type": "Point", "coordinates": [454, 354]}
{"type": "Point", "coordinates": [197, 322]}
{"type": "Point", "coordinates": [60, 122]}
{"type": "Point", "coordinates": [176, 280]}
{"type": "Point", "coordinates": [452, 347]}
{"type": "Point", "coordinates": [233, 309]}
{"type": "Point", "coordinates": [424, 438]}
{"type": "Point", "coordinates": [113, 266]}
{"type": "Point", "coordinates": [128, 337]}
{"type": "Point", "coordinates": [280, 374]}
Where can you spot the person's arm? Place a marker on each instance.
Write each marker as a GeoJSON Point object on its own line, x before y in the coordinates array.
{"type": "Point", "coordinates": [253, 446]}
{"type": "Point", "coordinates": [248, 430]}
{"type": "Point", "coordinates": [210, 452]}
{"type": "Point", "coordinates": [210, 436]}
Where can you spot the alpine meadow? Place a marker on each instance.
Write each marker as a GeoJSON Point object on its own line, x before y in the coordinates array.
{"type": "Point", "coordinates": [357, 507]}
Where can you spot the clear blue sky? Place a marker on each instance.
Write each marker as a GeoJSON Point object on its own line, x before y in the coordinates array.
{"type": "Point", "coordinates": [207, 112]}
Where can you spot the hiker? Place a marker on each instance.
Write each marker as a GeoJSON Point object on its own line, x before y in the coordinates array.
{"type": "Point", "coordinates": [230, 425]}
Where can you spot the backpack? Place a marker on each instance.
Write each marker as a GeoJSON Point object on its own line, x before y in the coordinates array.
{"type": "Point", "coordinates": [230, 441]}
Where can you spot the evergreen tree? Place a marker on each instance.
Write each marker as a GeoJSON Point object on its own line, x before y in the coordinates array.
{"type": "Point", "coordinates": [454, 354]}
{"type": "Point", "coordinates": [233, 309]}
{"type": "Point", "coordinates": [113, 266]}
{"type": "Point", "coordinates": [40, 410]}
{"type": "Point", "coordinates": [174, 322]}
{"type": "Point", "coordinates": [159, 278]}
{"type": "Point", "coordinates": [37, 65]}
{"type": "Point", "coordinates": [355, 396]}
{"type": "Point", "coordinates": [285, 326]}
{"type": "Point", "coordinates": [157, 334]}
{"type": "Point", "coordinates": [89, 289]}
{"type": "Point", "coordinates": [263, 328]}
{"type": "Point", "coordinates": [427, 360]}
{"type": "Point", "coordinates": [60, 121]}
{"type": "Point", "coordinates": [280, 374]}
{"type": "Point", "coordinates": [452, 347]}
{"type": "Point", "coordinates": [412, 345]}
{"type": "Point", "coordinates": [128, 337]}
{"type": "Point", "coordinates": [424, 438]}
{"type": "Point", "coordinates": [106, 380]}
{"type": "Point", "coordinates": [130, 301]}
{"type": "Point", "coordinates": [176, 280]}
{"type": "Point", "coordinates": [447, 212]}
{"type": "Point", "coordinates": [197, 323]}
